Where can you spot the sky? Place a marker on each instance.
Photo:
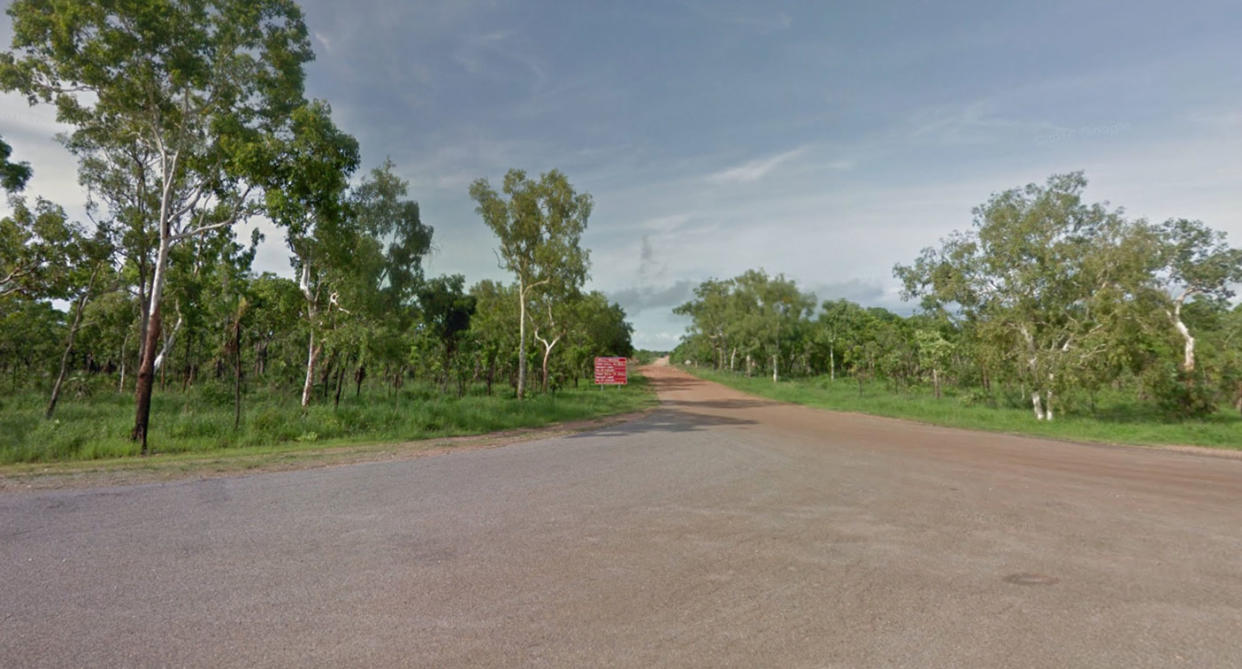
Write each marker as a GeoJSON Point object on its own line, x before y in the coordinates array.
{"type": "Point", "coordinates": [824, 141]}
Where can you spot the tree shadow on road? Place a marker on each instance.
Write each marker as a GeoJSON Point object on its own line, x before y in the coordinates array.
{"type": "Point", "coordinates": [691, 405]}
{"type": "Point", "coordinates": [670, 385]}
{"type": "Point", "coordinates": [666, 421]}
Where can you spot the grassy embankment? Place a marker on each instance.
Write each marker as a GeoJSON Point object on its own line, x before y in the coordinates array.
{"type": "Point", "coordinates": [201, 421]}
{"type": "Point", "coordinates": [1116, 418]}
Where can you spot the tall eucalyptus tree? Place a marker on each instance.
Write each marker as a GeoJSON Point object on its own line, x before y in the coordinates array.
{"type": "Point", "coordinates": [172, 104]}
{"type": "Point", "coordinates": [540, 227]}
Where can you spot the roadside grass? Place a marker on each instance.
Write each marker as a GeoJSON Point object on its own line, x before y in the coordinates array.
{"type": "Point", "coordinates": [1116, 419]}
{"type": "Point", "coordinates": [200, 421]}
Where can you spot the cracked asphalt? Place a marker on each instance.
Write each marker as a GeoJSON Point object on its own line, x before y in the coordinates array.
{"type": "Point", "coordinates": [719, 530]}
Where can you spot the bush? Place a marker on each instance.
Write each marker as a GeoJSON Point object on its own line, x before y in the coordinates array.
{"type": "Point", "coordinates": [1177, 394]}
{"type": "Point", "coordinates": [977, 397]}
{"type": "Point", "coordinates": [216, 395]}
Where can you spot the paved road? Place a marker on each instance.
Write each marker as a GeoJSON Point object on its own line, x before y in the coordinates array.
{"type": "Point", "coordinates": [719, 531]}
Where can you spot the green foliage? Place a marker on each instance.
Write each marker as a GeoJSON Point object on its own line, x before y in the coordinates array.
{"type": "Point", "coordinates": [757, 317]}
{"type": "Point", "coordinates": [1045, 272]}
{"type": "Point", "coordinates": [1065, 297]}
{"type": "Point", "coordinates": [175, 107]}
{"type": "Point", "coordinates": [385, 215]}
{"type": "Point", "coordinates": [1046, 300]}
{"type": "Point", "coordinates": [446, 310]}
{"type": "Point", "coordinates": [1178, 394]}
{"type": "Point", "coordinates": [1198, 259]}
{"type": "Point", "coordinates": [188, 116]}
{"type": "Point", "coordinates": [13, 176]}
{"type": "Point", "coordinates": [39, 250]}
{"type": "Point", "coordinates": [539, 227]}
{"type": "Point", "coordinates": [597, 328]}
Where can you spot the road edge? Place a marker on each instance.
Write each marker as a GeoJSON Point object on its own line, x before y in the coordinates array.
{"type": "Point", "coordinates": [164, 469]}
{"type": "Point", "coordinates": [1186, 449]}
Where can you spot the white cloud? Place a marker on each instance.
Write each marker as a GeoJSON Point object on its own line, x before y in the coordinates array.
{"type": "Point", "coordinates": [756, 169]}
{"type": "Point", "coordinates": [474, 52]}
{"type": "Point", "coordinates": [496, 53]}
{"type": "Point", "coordinates": [975, 123]}
{"type": "Point", "coordinates": [31, 131]}
{"type": "Point", "coordinates": [323, 39]}
{"type": "Point", "coordinates": [19, 117]}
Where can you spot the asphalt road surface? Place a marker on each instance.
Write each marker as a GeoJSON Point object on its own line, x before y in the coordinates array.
{"type": "Point", "coordinates": [721, 530]}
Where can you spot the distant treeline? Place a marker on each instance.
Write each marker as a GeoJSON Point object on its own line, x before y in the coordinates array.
{"type": "Point", "coordinates": [1045, 300]}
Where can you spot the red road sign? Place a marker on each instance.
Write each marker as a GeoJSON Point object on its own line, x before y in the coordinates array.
{"type": "Point", "coordinates": [610, 371]}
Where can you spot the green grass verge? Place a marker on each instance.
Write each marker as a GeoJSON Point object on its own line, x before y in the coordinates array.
{"type": "Point", "coordinates": [201, 421]}
{"type": "Point", "coordinates": [1115, 420]}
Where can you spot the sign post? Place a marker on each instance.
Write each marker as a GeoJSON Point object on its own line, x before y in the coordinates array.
{"type": "Point", "coordinates": [609, 372]}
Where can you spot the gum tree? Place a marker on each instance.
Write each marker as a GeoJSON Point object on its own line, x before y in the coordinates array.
{"type": "Point", "coordinates": [45, 256]}
{"type": "Point", "coordinates": [1199, 264]}
{"type": "Point", "coordinates": [171, 104]}
{"type": "Point", "coordinates": [396, 242]}
{"type": "Point", "coordinates": [307, 198]}
{"type": "Point", "coordinates": [1040, 268]}
{"type": "Point", "coordinates": [712, 318]}
{"type": "Point", "coordinates": [539, 226]}
{"type": "Point", "coordinates": [492, 327]}
{"type": "Point", "coordinates": [446, 310]}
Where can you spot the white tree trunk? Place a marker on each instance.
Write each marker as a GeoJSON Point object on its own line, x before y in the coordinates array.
{"type": "Point", "coordinates": [312, 354]}
{"type": "Point", "coordinates": [1188, 342]}
{"type": "Point", "coordinates": [775, 374]}
{"type": "Point", "coordinates": [157, 286]}
{"type": "Point", "coordinates": [1032, 363]}
{"type": "Point", "coordinates": [547, 353]}
{"type": "Point", "coordinates": [64, 358]}
{"type": "Point", "coordinates": [169, 341]}
{"type": "Point", "coordinates": [521, 389]}
{"type": "Point", "coordinates": [168, 170]}
{"type": "Point", "coordinates": [120, 387]}
{"type": "Point", "coordinates": [548, 345]}
{"type": "Point", "coordinates": [1188, 345]}
{"type": "Point", "coordinates": [145, 386]}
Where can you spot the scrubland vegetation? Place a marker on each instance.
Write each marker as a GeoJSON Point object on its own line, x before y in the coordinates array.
{"type": "Point", "coordinates": [1047, 310]}
{"type": "Point", "coordinates": [188, 119]}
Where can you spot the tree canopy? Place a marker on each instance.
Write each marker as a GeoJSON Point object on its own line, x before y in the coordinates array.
{"type": "Point", "coordinates": [539, 228]}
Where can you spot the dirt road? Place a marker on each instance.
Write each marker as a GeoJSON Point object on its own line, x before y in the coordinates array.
{"type": "Point", "coordinates": [721, 530]}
